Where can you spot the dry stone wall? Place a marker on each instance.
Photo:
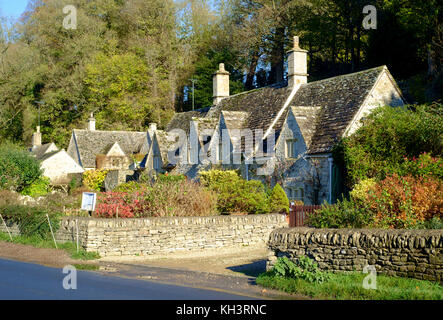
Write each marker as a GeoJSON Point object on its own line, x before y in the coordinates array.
{"type": "Point", "coordinates": [149, 236]}
{"type": "Point", "coordinates": [406, 253]}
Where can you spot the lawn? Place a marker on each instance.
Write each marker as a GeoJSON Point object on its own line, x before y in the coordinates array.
{"type": "Point", "coordinates": [38, 242]}
{"type": "Point", "coordinates": [348, 286]}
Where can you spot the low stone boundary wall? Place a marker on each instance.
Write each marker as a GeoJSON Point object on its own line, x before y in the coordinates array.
{"type": "Point", "coordinates": [149, 236]}
{"type": "Point", "coordinates": [406, 253]}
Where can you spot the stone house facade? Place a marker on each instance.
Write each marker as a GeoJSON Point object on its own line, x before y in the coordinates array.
{"type": "Point", "coordinates": [284, 132]}
{"type": "Point", "coordinates": [56, 164]}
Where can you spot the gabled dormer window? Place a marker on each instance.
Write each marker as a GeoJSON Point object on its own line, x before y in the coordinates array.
{"type": "Point", "coordinates": [291, 150]}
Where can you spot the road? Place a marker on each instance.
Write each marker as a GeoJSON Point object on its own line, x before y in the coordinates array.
{"type": "Point", "coordinates": [19, 280]}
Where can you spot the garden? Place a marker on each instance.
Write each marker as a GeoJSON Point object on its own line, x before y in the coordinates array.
{"type": "Point", "coordinates": [393, 167]}
{"type": "Point", "coordinates": [28, 201]}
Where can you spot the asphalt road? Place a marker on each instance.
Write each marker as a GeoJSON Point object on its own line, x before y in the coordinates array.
{"type": "Point", "coordinates": [19, 280]}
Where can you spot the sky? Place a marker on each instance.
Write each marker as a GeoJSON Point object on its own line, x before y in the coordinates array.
{"type": "Point", "coordinates": [12, 8]}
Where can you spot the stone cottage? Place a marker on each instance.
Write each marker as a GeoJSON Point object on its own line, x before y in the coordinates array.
{"type": "Point", "coordinates": [284, 132]}
{"type": "Point", "coordinates": [123, 153]}
{"type": "Point", "coordinates": [56, 164]}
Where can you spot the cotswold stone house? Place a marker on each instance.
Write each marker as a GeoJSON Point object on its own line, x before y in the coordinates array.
{"type": "Point", "coordinates": [56, 164]}
{"type": "Point", "coordinates": [294, 127]}
{"type": "Point", "coordinates": [120, 152]}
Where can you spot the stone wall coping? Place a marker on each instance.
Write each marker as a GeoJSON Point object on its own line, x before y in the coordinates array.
{"type": "Point", "coordinates": [222, 219]}
{"type": "Point", "coordinates": [419, 238]}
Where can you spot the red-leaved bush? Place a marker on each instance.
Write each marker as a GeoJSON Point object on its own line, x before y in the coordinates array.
{"type": "Point", "coordinates": [402, 202]}
{"type": "Point", "coordinates": [163, 198]}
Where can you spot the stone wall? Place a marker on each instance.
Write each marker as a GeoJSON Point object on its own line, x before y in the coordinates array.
{"type": "Point", "coordinates": [157, 236]}
{"type": "Point", "coordinates": [406, 253]}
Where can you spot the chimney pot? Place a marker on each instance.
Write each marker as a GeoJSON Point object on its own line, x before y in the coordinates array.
{"type": "Point", "coordinates": [153, 126]}
{"type": "Point", "coordinates": [220, 81]}
{"type": "Point", "coordinates": [37, 138]}
{"type": "Point", "coordinates": [297, 64]}
{"type": "Point", "coordinates": [91, 122]}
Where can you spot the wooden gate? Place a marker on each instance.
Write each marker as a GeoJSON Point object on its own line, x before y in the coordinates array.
{"type": "Point", "coordinates": [298, 214]}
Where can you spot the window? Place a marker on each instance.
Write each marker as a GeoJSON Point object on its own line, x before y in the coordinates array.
{"type": "Point", "coordinates": [291, 151]}
{"type": "Point", "coordinates": [295, 194]}
{"type": "Point", "coordinates": [157, 162]}
{"type": "Point", "coordinates": [220, 151]}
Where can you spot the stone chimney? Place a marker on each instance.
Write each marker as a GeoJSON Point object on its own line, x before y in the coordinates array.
{"type": "Point", "coordinates": [37, 138]}
{"type": "Point", "coordinates": [153, 126]}
{"type": "Point", "coordinates": [297, 65]}
{"type": "Point", "coordinates": [91, 122]}
{"type": "Point", "coordinates": [220, 81]}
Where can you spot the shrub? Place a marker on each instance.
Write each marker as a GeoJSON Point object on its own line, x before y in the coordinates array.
{"type": "Point", "coordinates": [32, 221]}
{"type": "Point", "coordinates": [434, 223]}
{"type": "Point", "coordinates": [39, 187]}
{"type": "Point", "coordinates": [76, 182]}
{"type": "Point", "coordinates": [214, 177]}
{"type": "Point", "coordinates": [304, 268]}
{"type": "Point", "coordinates": [402, 202]}
{"type": "Point", "coordinates": [170, 177]}
{"type": "Point", "coordinates": [18, 169]}
{"type": "Point", "coordinates": [8, 198]}
{"type": "Point", "coordinates": [361, 189]}
{"type": "Point", "coordinates": [163, 198]}
{"type": "Point", "coordinates": [130, 187]}
{"type": "Point", "coordinates": [423, 166]}
{"type": "Point", "coordinates": [345, 214]}
{"type": "Point", "coordinates": [389, 135]}
{"type": "Point", "coordinates": [94, 179]}
{"type": "Point", "coordinates": [278, 201]}
{"type": "Point", "coordinates": [234, 193]}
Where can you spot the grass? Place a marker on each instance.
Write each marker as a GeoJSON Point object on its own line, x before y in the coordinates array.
{"type": "Point", "coordinates": [38, 242]}
{"type": "Point", "coordinates": [348, 286]}
{"type": "Point", "coordinates": [90, 267]}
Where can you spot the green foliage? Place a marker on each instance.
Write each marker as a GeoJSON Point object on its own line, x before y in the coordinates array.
{"type": "Point", "coordinates": [170, 177]}
{"type": "Point", "coordinates": [423, 166]}
{"type": "Point", "coordinates": [74, 184]}
{"type": "Point", "coordinates": [234, 193]}
{"type": "Point", "coordinates": [94, 179]}
{"type": "Point", "coordinates": [387, 138]}
{"type": "Point", "coordinates": [304, 268]}
{"type": "Point", "coordinates": [39, 242]}
{"type": "Point", "coordinates": [434, 223]}
{"type": "Point", "coordinates": [18, 169]}
{"type": "Point", "coordinates": [361, 189]}
{"type": "Point", "coordinates": [38, 188]}
{"type": "Point", "coordinates": [278, 201]}
{"type": "Point", "coordinates": [343, 214]}
{"type": "Point", "coordinates": [32, 221]}
{"type": "Point", "coordinates": [348, 286]}
{"type": "Point", "coordinates": [130, 187]}
{"type": "Point", "coordinates": [119, 91]}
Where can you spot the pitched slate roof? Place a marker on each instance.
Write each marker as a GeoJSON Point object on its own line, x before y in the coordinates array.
{"type": "Point", "coordinates": [306, 118]}
{"type": "Point", "coordinates": [40, 151]}
{"type": "Point", "coordinates": [262, 105]}
{"type": "Point", "coordinates": [340, 98]}
{"type": "Point", "coordinates": [91, 143]}
{"type": "Point", "coordinates": [164, 144]}
{"type": "Point", "coordinates": [181, 120]}
{"type": "Point", "coordinates": [48, 155]}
